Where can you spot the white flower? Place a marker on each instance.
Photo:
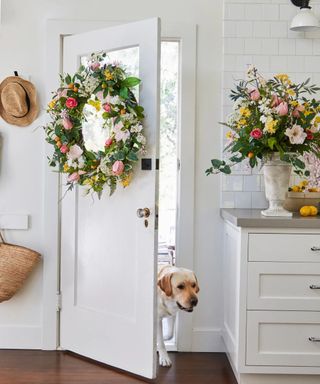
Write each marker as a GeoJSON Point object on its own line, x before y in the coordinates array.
{"type": "Point", "coordinates": [141, 139]}
{"type": "Point", "coordinates": [296, 134]}
{"type": "Point", "coordinates": [263, 119]}
{"type": "Point", "coordinates": [136, 128]}
{"type": "Point", "coordinates": [119, 133]}
{"type": "Point", "coordinates": [75, 152]}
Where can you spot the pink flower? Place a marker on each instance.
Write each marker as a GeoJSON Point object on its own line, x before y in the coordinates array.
{"type": "Point", "coordinates": [275, 101]}
{"type": "Point", "coordinates": [108, 142]}
{"type": "Point", "coordinates": [74, 177]}
{"type": "Point", "coordinates": [75, 152]}
{"type": "Point", "coordinates": [62, 93]}
{"type": "Point", "coordinates": [254, 94]}
{"type": "Point", "coordinates": [282, 108]}
{"type": "Point", "coordinates": [71, 102]}
{"type": "Point", "coordinates": [107, 107]}
{"type": "Point", "coordinates": [94, 66]}
{"type": "Point", "coordinates": [297, 110]}
{"type": "Point", "coordinates": [67, 123]}
{"type": "Point", "coordinates": [256, 133]}
{"type": "Point", "coordinates": [64, 148]}
{"type": "Point", "coordinates": [118, 167]}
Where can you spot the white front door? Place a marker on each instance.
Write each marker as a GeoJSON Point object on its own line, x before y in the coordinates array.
{"type": "Point", "coordinates": [108, 278]}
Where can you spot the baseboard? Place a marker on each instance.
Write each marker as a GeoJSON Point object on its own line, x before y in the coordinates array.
{"type": "Point", "coordinates": [207, 339]}
{"type": "Point", "coordinates": [20, 337]}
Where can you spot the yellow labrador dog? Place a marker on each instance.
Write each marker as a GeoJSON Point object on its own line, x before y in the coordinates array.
{"type": "Point", "coordinates": [177, 289]}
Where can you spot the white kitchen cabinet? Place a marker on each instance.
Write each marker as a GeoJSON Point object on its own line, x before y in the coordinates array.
{"type": "Point", "coordinates": [271, 327]}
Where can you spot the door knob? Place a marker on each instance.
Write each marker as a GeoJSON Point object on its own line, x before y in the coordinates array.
{"type": "Point", "coordinates": [143, 212]}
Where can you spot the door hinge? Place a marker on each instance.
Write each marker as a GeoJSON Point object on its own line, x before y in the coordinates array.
{"type": "Point", "coordinates": [178, 164]}
{"type": "Point", "coordinates": [59, 302]}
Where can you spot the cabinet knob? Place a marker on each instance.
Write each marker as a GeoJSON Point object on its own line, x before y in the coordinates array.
{"type": "Point", "coordinates": [314, 339]}
{"type": "Point", "coordinates": [315, 249]}
{"type": "Point", "coordinates": [313, 286]}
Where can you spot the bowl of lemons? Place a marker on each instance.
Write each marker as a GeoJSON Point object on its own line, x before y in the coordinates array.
{"type": "Point", "coordinates": [301, 195]}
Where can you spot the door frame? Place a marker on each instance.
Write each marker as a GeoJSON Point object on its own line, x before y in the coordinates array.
{"type": "Point", "coordinates": [187, 34]}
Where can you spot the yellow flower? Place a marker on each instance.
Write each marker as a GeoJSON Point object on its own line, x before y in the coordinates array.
{"type": "Point", "coordinates": [52, 104]}
{"type": "Point", "coordinates": [317, 120]}
{"type": "Point", "coordinates": [96, 104]}
{"type": "Point", "coordinates": [294, 103]}
{"type": "Point", "coordinates": [229, 135]}
{"type": "Point", "coordinates": [66, 167]}
{"type": "Point", "coordinates": [108, 75]}
{"type": "Point", "coordinates": [284, 78]}
{"type": "Point", "coordinates": [291, 92]}
{"type": "Point", "coordinates": [270, 125]}
{"type": "Point", "coordinates": [244, 111]}
{"type": "Point", "coordinates": [307, 112]}
{"type": "Point", "coordinates": [127, 180]}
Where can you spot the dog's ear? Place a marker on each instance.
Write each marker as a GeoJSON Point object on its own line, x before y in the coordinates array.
{"type": "Point", "coordinates": [165, 284]}
{"type": "Point", "coordinates": [197, 285]}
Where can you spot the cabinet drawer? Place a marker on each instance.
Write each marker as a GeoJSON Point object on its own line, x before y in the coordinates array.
{"type": "Point", "coordinates": [278, 338]}
{"type": "Point", "coordinates": [284, 247]}
{"type": "Point", "coordinates": [284, 286]}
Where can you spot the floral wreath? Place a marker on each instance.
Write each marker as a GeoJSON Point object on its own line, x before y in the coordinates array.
{"type": "Point", "coordinates": [98, 94]}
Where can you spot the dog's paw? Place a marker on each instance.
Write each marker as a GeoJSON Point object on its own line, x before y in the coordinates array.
{"type": "Point", "coordinates": [164, 360]}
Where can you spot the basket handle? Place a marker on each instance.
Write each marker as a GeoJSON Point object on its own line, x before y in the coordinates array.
{"type": "Point", "coordinates": [1, 238]}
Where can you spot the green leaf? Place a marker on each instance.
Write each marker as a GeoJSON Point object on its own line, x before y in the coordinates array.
{"type": "Point", "coordinates": [124, 93]}
{"type": "Point", "coordinates": [90, 155]}
{"type": "Point", "coordinates": [300, 164]}
{"type": "Point", "coordinates": [119, 155]}
{"type": "Point", "coordinates": [226, 169]}
{"type": "Point", "coordinates": [216, 163]}
{"type": "Point", "coordinates": [68, 79]}
{"type": "Point", "coordinates": [132, 156]}
{"type": "Point", "coordinates": [272, 142]}
{"type": "Point", "coordinates": [130, 82]}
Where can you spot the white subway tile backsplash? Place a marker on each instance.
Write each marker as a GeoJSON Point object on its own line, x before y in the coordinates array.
{"type": "Point", "coordinates": [252, 46]}
{"type": "Point", "coordinates": [253, 12]}
{"type": "Point", "coordinates": [244, 28]}
{"type": "Point", "coordinates": [278, 29]}
{"type": "Point", "coordinates": [278, 64]}
{"type": "Point", "coordinates": [252, 183]}
{"type": "Point", "coordinates": [270, 12]}
{"type": "Point", "coordinates": [287, 47]}
{"type": "Point", "coordinates": [259, 200]}
{"type": "Point", "coordinates": [270, 46]}
{"type": "Point", "coordinates": [296, 64]}
{"type": "Point", "coordinates": [261, 29]}
{"type": "Point", "coordinates": [304, 47]}
{"type": "Point", "coordinates": [242, 200]}
{"type": "Point", "coordinates": [232, 183]}
{"type": "Point", "coordinates": [233, 46]}
{"type": "Point", "coordinates": [234, 12]}
{"type": "Point", "coordinates": [257, 32]}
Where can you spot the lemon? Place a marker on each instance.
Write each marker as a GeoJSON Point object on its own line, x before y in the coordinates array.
{"type": "Point", "coordinates": [296, 188]}
{"type": "Point", "coordinates": [305, 210]}
{"type": "Point", "coordinates": [313, 210]}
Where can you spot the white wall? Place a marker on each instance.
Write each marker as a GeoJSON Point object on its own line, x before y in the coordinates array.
{"type": "Point", "coordinates": [22, 48]}
{"type": "Point", "coordinates": [257, 32]}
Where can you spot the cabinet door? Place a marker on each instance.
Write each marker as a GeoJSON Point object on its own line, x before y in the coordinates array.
{"type": "Point", "coordinates": [278, 338]}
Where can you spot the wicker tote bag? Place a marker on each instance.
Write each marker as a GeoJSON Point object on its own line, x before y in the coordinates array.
{"type": "Point", "coordinates": [16, 263]}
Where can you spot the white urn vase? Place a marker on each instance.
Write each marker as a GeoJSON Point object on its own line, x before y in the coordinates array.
{"type": "Point", "coordinates": [276, 178]}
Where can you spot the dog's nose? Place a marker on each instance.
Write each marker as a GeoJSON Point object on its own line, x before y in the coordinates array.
{"type": "Point", "coordinates": [194, 301]}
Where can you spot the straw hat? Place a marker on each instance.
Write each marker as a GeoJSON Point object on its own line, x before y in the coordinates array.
{"type": "Point", "coordinates": [18, 101]}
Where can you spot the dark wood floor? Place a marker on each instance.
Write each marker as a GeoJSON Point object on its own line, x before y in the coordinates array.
{"type": "Point", "coordinates": [51, 367]}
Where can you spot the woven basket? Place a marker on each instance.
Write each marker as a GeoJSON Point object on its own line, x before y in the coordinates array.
{"type": "Point", "coordinates": [16, 263]}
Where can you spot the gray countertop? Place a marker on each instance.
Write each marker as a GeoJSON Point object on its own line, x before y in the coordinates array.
{"type": "Point", "coordinates": [250, 218]}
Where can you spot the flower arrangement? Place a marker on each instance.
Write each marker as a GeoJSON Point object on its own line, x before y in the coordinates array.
{"type": "Point", "coordinates": [271, 116]}
{"type": "Point", "coordinates": [98, 94]}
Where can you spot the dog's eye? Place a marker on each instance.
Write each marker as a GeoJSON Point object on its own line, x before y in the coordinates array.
{"type": "Point", "coordinates": [180, 286]}
{"type": "Point", "coordinates": [193, 285]}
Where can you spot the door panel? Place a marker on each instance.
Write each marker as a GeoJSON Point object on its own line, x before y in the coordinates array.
{"type": "Point", "coordinates": [108, 264]}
